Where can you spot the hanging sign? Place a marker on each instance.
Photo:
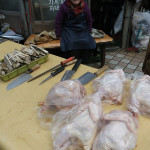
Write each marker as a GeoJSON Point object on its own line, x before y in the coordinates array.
{"type": "Point", "coordinates": [54, 4]}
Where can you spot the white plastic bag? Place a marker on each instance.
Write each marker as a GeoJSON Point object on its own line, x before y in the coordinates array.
{"type": "Point", "coordinates": [140, 37]}
{"type": "Point", "coordinates": [119, 22]}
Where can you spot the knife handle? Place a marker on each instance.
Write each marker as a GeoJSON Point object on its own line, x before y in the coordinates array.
{"type": "Point", "coordinates": [37, 66]}
{"type": "Point", "coordinates": [75, 67]}
{"type": "Point", "coordinates": [66, 61]}
{"type": "Point", "coordinates": [101, 70]}
{"type": "Point", "coordinates": [58, 71]}
{"type": "Point", "coordinates": [71, 62]}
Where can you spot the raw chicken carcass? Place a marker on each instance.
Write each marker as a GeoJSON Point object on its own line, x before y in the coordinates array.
{"type": "Point", "coordinates": [118, 132]}
{"type": "Point", "coordinates": [63, 95]}
{"type": "Point", "coordinates": [111, 84]}
{"type": "Point", "coordinates": [78, 128]}
{"type": "Point", "coordinates": [139, 100]}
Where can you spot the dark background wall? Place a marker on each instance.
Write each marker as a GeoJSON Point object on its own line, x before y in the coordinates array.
{"type": "Point", "coordinates": [105, 13]}
{"type": "Point", "coordinates": [9, 5]}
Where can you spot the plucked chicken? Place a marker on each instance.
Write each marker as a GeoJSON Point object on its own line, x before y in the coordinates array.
{"type": "Point", "coordinates": [111, 84]}
{"type": "Point", "coordinates": [63, 95]}
{"type": "Point", "coordinates": [139, 100]}
{"type": "Point", "coordinates": [118, 132]}
{"type": "Point", "coordinates": [78, 128]}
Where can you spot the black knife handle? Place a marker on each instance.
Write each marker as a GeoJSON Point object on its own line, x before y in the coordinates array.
{"type": "Point", "coordinates": [58, 71]}
{"type": "Point", "coordinates": [75, 67]}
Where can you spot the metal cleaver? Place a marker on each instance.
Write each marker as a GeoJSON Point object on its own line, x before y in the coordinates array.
{"type": "Point", "coordinates": [22, 78]}
{"type": "Point", "coordinates": [19, 80]}
{"type": "Point", "coordinates": [88, 76]}
{"type": "Point", "coordinates": [69, 73]}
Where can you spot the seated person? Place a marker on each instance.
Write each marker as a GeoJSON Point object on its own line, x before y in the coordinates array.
{"type": "Point", "coordinates": [73, 25]}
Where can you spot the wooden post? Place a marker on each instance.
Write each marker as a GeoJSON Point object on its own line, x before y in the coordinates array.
{"type": "Point", "coordinates": [126, 25]}
{"type": "Point", "coordinates": [23, 18]}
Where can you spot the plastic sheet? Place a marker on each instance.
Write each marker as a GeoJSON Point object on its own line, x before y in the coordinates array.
{"type": "Point", "coordinates": [119, 132]}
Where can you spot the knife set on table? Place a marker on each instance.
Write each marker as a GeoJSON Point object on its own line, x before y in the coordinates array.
{"type": "Point", "coordinates": [84, 79]}
{"type": "Point", "coordinates": [68, 74]}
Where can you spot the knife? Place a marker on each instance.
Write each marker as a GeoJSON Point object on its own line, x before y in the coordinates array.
{"type": "Point", "coordinates": [62, 63]}
{"type": "Point", "coordinates": [19, 80]}
{"type": "Point", "coordinates": [60, 69]}
{"type": "Point", "coordinates": [69, 73]}
{"type": "Point", "coordinates": [88, 76]}
{"type": "Point", "coordinates": [22, 78]}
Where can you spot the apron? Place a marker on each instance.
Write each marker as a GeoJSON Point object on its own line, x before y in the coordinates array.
{"type": "Point", "coordinates": [75, 34]}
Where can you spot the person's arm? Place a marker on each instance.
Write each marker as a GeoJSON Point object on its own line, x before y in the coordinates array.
{"type": "Point", "coordinates": [59, 21]}
{"type": "Point", "coordinates": [88, 17]}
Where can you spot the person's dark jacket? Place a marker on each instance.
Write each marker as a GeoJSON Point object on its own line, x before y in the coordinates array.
{"type": "Point", "coordinates": [64, 11]}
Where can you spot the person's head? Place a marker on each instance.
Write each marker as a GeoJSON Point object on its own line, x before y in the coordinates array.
{"type": "Point", "coordinates": [75, 2]}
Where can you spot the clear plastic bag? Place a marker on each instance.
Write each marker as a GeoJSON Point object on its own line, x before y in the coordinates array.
{"type": "Point", "coordinates": [139, 99]}
{"type": "Point", "coordinates": [76, 129]}
{"type": "Point", "coordinates": [111, 86]}
{"type": "Point", "coordinates": [118, 132]}
{"type": "Point", "coordinates": [63, 95]}
{"type": "Point", "coordinates": [119, 21]}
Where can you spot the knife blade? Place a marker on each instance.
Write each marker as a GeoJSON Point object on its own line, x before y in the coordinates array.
{"type": "Point", "coordinates": [62, 63]}
{"type": "Point", "coordinates": [19, 80]}
{"type": "Point", "coordinates": [69, 73]}
{"type": "Point", "coordinates": [88, 76]}
{"type": "Point", "coordinates": [22, 78]}
{"type": "Point", "coordinates": [60, 69]}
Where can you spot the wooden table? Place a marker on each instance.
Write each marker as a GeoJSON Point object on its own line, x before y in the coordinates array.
{"type": "Point", "coordinates": [19, 127]}
{"type": "Point", "coordinates": [56, 44]}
